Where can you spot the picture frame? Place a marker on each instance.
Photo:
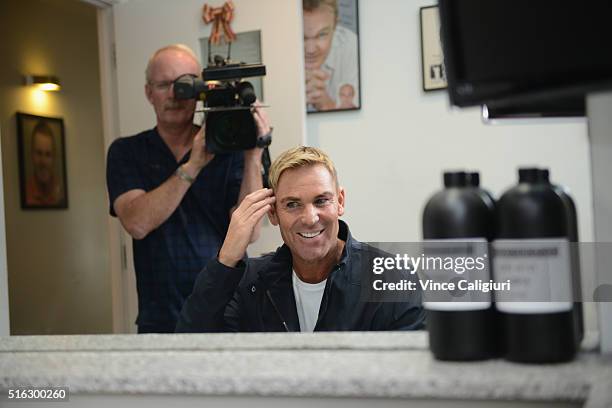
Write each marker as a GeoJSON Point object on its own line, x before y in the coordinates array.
{"type": "Point", "coordinates": [42, 162]}
{"type": "Point", "coordinates": [432, 57]}
{"type": "Point", "coordinates": [332, 68]}
{"type": "Point", "coordinates": [245, 48]}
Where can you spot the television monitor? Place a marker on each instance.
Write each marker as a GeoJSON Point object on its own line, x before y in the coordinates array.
{"type": "Point", "coordinates": [525, 108]}
{"type": "Point", "coordinates": [538, 56]}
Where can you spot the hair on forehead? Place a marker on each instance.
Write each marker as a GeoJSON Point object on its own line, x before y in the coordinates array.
{"type": "Point", "coordinates": [172, 47]}
{"type": "Point", "coordinates": [298, 157]}
{"type": "Point", "coordinates": [311, 5]}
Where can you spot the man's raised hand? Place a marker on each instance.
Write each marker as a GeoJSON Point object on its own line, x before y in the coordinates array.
{"type": "Point", "coordinates": [316, 90]}
{"type": "Point", "coordinates": [243, 222]}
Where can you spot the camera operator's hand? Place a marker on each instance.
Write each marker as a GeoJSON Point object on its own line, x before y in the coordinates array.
{"type": "Point", "coordinates": [316, 90]}
{"type": "Point", "coordinates": [263, 128]}
{"type": "Point", "coordinates": [244, 220]}
{"type": "Point", "coordinates": [199, 156]}
{"type": "Point", "coordinates": [261, 119]}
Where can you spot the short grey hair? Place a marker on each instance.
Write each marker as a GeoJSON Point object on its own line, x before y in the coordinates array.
{"type": "Point", "coordinates": [174, 47]}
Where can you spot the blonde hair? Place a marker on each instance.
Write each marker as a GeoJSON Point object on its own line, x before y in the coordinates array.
{"type": "Point", "coordinates": [172, 47]}
{"type": "Point", "coordinates": [299, 157]}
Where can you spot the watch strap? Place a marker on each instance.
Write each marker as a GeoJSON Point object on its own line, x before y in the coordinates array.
{"type": "Point", "coordinates": [180, 173]}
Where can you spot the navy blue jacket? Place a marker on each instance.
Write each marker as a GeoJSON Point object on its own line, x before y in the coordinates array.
{"type": "Point", "coordinates": [257, 296]}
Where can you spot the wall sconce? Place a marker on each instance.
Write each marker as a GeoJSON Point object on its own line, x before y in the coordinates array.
{"type": "Point", "coordinates": [43, 82]}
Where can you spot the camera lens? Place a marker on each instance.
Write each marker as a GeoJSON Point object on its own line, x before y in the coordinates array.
{"type": "Point", "coordinates": [188, 87]}
{"type": "Point", "coordinates": [246, 93]}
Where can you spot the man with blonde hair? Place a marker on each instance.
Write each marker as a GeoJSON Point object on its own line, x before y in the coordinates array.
{"type": "Point", "coordinates": [171, 195]}
{"type": "Point", "coordinates": [312, 282]}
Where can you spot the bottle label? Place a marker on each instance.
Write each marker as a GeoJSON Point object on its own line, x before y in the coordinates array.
{"type": "Point", "coordinates": [539, 275]}
{"type": "Point", "coordinates": [466, 295]}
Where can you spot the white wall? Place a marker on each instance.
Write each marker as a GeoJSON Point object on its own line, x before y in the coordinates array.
{"type": "Point", "coordinates": [141, 27]}
{"type": "Point", "coordinates": [391, 154]}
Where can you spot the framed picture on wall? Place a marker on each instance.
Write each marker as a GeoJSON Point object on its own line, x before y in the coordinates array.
{"type": "Point", "coordinates": [42, 162]}
{"type": "Point", "coordinates": [245, 48]}
{"type": "Point", "coordinates": [331, 55]}
{"type": "Point", "coordinates": [432, 57]}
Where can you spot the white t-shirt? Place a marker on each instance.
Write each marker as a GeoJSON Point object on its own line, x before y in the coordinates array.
{"type": "Point", "coordinates": [307, 302]}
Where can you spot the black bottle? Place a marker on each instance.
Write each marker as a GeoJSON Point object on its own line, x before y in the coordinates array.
{"type": "Point", "coordinates": [474, 181]}
{"type": "Point", "coordinates": [533, 216]}
{"type": "Point", "coordinates": [572, 222]}
{"type": "Point", "coordinates": [460, 212]}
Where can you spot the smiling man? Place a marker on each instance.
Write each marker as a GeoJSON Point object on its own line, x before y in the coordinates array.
{"type": "Point", "coordinates": [312, 282]}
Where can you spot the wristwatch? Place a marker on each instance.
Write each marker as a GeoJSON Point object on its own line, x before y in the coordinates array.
{"type": "Point", "coordinates": [265, 140]}
{"type": "Point", "coordinates": [180, 173]}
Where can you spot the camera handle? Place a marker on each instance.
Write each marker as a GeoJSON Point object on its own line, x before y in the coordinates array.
{"type": "Point", "coordinates": [265, 141]}
{"type": "Point", "coordinates": [265, 167]}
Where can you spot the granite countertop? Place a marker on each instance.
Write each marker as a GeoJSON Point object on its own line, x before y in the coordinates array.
{"type": "Point", "coordinates": [396, 365]}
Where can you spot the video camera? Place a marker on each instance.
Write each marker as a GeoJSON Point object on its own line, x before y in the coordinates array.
{"type": "Point", "coordinates": [228, 100]}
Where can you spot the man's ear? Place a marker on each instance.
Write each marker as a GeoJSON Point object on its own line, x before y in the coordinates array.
{"type": "Point", "coordinates": [272, 215]}
{"type": "Point", "coordinates": [340, 201]}
{"type": "Point", "coordinates": [149, 93]}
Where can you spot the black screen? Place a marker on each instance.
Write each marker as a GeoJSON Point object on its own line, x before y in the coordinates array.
{"type": "Point", "coordinates": [498, 51]}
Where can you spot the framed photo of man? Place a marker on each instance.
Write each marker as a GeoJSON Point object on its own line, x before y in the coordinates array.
{"type": "Point", "coordinates": [42, 162]}
{"type": "Point", "coordinates": [331, 55]}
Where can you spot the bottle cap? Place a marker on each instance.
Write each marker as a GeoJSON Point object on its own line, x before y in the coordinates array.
{"type": "Point", "coordinates": [455, 179]}
{"type": "Point", "coordinates": [474, 179]}
{"type": "Point", "coordinates": [545, 176]}
{"type": "Point", "coordinates": [529, 175]}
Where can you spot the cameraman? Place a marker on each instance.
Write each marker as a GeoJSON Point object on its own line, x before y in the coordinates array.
{"type": "Point", "coordinates": [172, 196]}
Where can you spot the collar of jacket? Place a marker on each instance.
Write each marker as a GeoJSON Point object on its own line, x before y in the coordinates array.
{"type": "Point", "coordinates": [277, 266]}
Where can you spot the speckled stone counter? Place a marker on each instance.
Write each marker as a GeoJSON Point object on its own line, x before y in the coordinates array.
{"type": "Point", "coordinates": [373, 365]}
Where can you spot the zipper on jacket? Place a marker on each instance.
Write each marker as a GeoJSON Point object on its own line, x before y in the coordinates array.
{"type": "Point", "coordinates": [278, 313]}
{"type": "Point", "coordinates": [325, 299]}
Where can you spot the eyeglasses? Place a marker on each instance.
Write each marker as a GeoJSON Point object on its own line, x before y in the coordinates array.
{"type": "Point", "coordinates": [161, 86]}
{"type": "Point", "coordinates": [164, 86]}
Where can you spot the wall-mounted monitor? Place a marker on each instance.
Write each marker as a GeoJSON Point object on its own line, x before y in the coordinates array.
{"type": "Point", "coordinates": [540, 57]}
{"type": "Point", "coordinates": [563, 107]}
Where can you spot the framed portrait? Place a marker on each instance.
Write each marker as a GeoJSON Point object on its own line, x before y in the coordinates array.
{"type": "Point", "coordinates": [432, 57]}
{"type": "Point", "coordinates": [331, 55]}
{"type": "Point", "coordinates": [42, 162]}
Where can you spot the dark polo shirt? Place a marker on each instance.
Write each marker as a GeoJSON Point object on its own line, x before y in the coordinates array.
{"type": "Point", "coordinates": [169, 258]}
